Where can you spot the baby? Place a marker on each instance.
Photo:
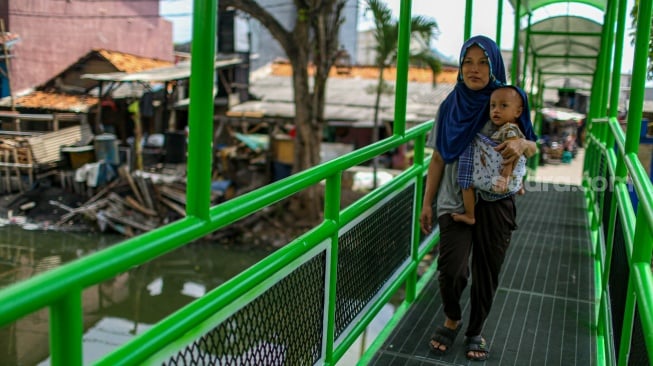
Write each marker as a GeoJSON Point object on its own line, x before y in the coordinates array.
{"type": "Point", "coordinates": [506, 105]}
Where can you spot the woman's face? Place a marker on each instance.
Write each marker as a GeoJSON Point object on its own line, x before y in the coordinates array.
{"type": "Point", "coordinates": [476, 68]}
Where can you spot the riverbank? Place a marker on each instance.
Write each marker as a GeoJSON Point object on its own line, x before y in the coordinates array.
{"type": "Point", "coordinates": [34, 209]}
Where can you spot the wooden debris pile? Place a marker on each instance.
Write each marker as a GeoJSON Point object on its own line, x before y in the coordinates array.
{"type": "Point", "coordinates": [134, 203]}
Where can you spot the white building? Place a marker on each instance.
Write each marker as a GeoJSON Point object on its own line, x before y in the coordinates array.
{"type": "Point", "coordinates": [266, 49]}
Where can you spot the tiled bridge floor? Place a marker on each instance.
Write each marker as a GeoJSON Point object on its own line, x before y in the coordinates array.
{"type": "Point", "coordinates": [543, 313]}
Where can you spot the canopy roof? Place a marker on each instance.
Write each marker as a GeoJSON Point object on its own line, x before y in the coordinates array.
{"type": "Point", "coordinates": [563, 47]}
{"type": "Point", "coordinates": [529, 6]}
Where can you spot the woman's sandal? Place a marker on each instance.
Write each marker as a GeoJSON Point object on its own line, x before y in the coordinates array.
{"type": "Point", "coordinates": [445, 338]}
{"type": "Point", "coordinates": [476, 345]}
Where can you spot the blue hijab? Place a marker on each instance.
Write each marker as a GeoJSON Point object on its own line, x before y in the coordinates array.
{"type": "Point", "coordinates": [464, 112]}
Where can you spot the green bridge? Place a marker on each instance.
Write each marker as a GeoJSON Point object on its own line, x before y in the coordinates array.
{"type": "Point", "coordinates": [577, 287]}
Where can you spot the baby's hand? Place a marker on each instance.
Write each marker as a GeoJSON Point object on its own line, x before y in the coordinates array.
{"type": "Point", "coordinates": [510, 150]}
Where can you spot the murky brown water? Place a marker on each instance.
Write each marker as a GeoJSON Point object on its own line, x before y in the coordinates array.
{"type": "Point", "coordinates": [117, 309]}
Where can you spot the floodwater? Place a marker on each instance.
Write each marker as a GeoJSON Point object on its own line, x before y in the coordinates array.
{"type": "Point", "coordinates": [119, 309]}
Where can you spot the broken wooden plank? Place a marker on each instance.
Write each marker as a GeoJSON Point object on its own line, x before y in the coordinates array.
{"type": "Point", "coordinates": [86, 209]}
{"type": "Point", "coordinates": [130, 202]}
{"type": "Point", "coordinates": [175, 207]}
{"type": "Point", "coordinates": [145, 191]}
{"type": "Point", "coordinates": [128, 222]}
{"type": "Point", "coordinates": [103, 192]}
{"type": "Point", "coordinates": [173, 194]}
{"type": "Point", "coordinates": [125, 174]}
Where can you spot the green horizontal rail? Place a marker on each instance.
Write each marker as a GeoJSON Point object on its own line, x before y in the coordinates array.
{"type": "Point", "coordinates": [49, 288]}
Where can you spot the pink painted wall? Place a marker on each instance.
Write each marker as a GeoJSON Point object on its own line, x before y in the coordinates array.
{"type": "Point", "coordinates": [55, 33]}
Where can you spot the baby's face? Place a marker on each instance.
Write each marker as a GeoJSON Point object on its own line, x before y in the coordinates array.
{"type": "Point", "coordinates": [505, 106]}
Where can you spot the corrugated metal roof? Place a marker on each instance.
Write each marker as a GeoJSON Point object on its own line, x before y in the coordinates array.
{"type": "Point", "coordinates": [349, 100]}
{"type": "Point", "coordinates": [176, 72]}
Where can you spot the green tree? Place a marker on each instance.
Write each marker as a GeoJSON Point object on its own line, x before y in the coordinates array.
{"type": "Point", "coordinates": [313, 40]}
{"type": "Point", "coordinates": [386, 36]}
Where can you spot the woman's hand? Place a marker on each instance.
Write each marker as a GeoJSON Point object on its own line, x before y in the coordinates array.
{"type": "Point", "coordinates": [433, 177]}
{"type": "Point", "coordinates": [426, 219]}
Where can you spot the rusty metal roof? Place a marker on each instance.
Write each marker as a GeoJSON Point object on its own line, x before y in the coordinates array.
{"type": "Point", "coordinates": [56, 95]}
{"type": "Point", "coordinates": [56, 101]}
{"type": "Point", "coordinates": [129, 63]}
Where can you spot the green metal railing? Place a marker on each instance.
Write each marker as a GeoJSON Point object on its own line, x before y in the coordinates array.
{"type": "Point", "coordinates": [621, 234]}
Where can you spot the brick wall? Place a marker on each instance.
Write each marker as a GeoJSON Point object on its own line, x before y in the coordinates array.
{"type": "Point", "coordinates": [54, 34]}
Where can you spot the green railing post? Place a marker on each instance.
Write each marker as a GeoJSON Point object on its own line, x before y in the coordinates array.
{"type": "Point", "coordinates": [596, 129]}
{"type": "Point", "coordinates": [200, 115]}
{"type": "Point", "coordinates": [525, 53]}
{"type": "Point", "coordinates": [403, 53]}
{"type": "Point", "coordinates": [499, 22]}
{"type": "Point", "coordinates": [615, 90]}
{"type": "Point", "coordinates": [603, 71]}
{"type": "Point", "coordinates": [469, 4]}
{"type": "Point", "coordinates": [597, 108]}
{"type": "Point", "coordinates": [642, 249]}
{"type": "Point", "coordinates": [627, 328]}
{"type": "Point", "coordinates": [515, 46]}
{"type": "Point", "coordinates": [620, 170]}
{"type": "Point", "coordinates": [532, 86]}
{"type": "Point", "coordinates": [66, 330]}
{"type": "Point", "coordinates": [534, 161]}
{"type": "Point", "coordinates": [332, 212]}
{"type": "Point", "coordinates": [607, 50]}
{"type": "Point", "coordinates": [640, 61]}
{"type": "Point", "coordinates": [418, 160]}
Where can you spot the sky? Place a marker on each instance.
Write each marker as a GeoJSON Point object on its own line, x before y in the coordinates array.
{"type": "Point", "coordinates": [449, 14]}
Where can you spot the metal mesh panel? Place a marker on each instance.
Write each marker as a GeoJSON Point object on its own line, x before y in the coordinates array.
{"type": "Point", "coordinates": [618, 282]}
{"type": "Point", "coordinates": [638, 353]}
{"type": "Point", "coordinates": [605, 214]}
{"type": "Point", "coordinates": [369, 253]}
{"type": "Point", "coordinates": [283, 326]}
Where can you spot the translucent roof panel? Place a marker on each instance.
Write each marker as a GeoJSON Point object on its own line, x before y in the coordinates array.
{"type": "Point", "coordinates": [568, 45]}
{"type": "Point", "coordinates": [529, 6]}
